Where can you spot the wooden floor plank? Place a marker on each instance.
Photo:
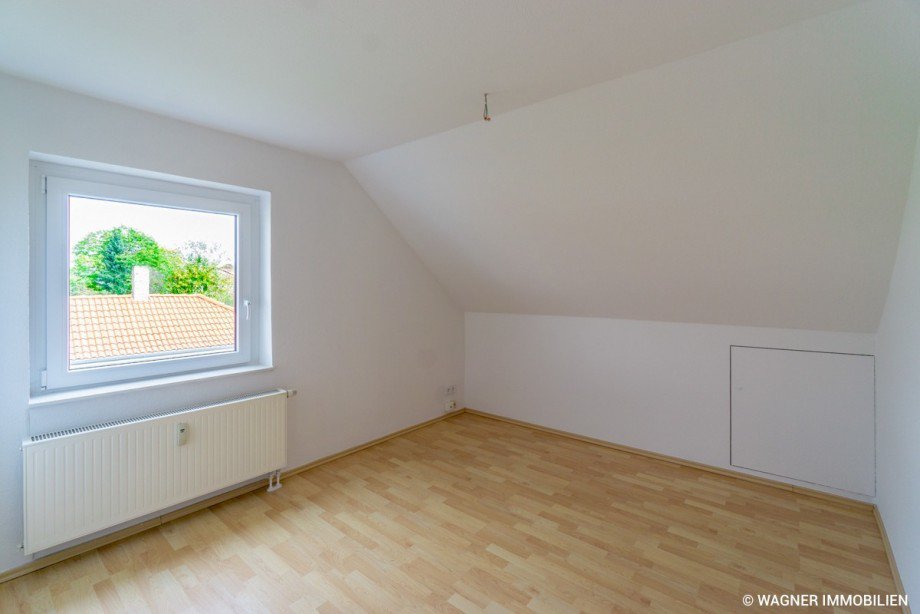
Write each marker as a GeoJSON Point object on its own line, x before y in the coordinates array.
{"type": "Point", "coordinates": [475, 515]}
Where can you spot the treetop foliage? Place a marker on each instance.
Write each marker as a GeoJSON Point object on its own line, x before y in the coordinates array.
{"type": "Point", "coordinates": [103, 261]}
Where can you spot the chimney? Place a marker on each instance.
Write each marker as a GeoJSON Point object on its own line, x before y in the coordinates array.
{"type": "Point", "coordinates": [140, 283]}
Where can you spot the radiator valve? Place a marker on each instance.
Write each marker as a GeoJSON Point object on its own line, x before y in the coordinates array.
{"type": "Point", "coordinates": [182, 433]}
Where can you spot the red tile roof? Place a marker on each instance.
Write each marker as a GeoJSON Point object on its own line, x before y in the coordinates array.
{"type": "Point", "coordinates": [108, 325]}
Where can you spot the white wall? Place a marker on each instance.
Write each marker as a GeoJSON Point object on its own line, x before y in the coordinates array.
{"type": "Point", "coordinates": [362, 329]}
{"type": "Point", "coordinates": [657, 386]}
{"type": "Point", "coordinates": [898, 345]}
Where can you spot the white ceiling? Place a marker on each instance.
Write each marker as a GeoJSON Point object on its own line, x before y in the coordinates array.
{"type": "Point", "coordinates": [726, 161]}
{"type": "Point", "coordinates": [761, 183]}
{"type": "Point", "coordinates": [343, 78]}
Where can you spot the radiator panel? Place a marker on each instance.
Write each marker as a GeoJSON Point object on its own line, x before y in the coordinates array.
{"type": "Point", "coordinates": [77, 484]}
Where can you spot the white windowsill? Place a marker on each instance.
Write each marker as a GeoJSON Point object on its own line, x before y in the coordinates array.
{"type": "Point", "coordinates": [53, 398]}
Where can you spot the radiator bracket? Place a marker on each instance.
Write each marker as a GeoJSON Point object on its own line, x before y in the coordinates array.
{"type": "Point", "coordinates": [274, 480]}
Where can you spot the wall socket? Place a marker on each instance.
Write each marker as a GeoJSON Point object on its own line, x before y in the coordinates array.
{"type": "Point", "coordinates": [450, 391]}
{"type": "Point", "coordinates": [450, 406]}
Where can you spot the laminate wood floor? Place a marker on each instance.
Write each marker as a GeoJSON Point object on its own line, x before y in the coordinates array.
{"type": "Point", "coordinates": [472, 514]}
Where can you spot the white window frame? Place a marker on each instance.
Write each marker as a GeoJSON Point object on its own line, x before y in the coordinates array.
{"type": "Point", "coordinates": [50, 309]}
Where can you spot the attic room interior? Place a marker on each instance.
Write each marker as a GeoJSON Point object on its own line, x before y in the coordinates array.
{"type": "Point", "coordinates": [480, 306]}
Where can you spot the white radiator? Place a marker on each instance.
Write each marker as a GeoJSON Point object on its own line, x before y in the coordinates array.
{"type": "Point", "coordinates": [80, 481]}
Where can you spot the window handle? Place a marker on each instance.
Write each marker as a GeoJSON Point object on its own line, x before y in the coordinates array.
{"type": "Point", "coordinates": [247, 309]}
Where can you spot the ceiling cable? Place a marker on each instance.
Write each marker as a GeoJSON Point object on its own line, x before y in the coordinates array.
{"type": "Point", "coordinates": [485, 108]}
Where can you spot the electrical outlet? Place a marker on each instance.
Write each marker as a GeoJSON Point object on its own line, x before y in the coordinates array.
{"type": "Point", "coordinates": [450, 406]}
{"type": "Point", "coordinates": [450, 391]}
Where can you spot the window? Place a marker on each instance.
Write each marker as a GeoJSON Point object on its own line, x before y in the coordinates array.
{"type": "Point", "coordinates": [142, 276]}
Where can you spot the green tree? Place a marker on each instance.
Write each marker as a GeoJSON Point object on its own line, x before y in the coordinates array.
{"type": "Point", "coordinates": [197, 276]}
{"type": "Point", "coordinates": [200, 273]}
{"type": "Point", "coordinates": [114, 276]}
{"type": "Point", "coordinates": [85, 263]}
{"type": "Point", "coordinates": [103, 261]}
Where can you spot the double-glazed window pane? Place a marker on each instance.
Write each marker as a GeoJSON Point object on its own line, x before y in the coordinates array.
{"type": "Point", "coordinates": [142, 277]}
{"type": "Point", "coordinates": [148, 283]}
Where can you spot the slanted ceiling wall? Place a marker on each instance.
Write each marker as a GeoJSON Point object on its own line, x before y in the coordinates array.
{"type": "Point", "coordinates": [757, 184]}
{"type": "Point", "coordinates": [749, 195]}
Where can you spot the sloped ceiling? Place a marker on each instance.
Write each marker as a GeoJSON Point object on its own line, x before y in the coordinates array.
{"type": "Point", "coordinates": [347, 78]}
{"type": "Point", "coordinates": [760, 183]}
